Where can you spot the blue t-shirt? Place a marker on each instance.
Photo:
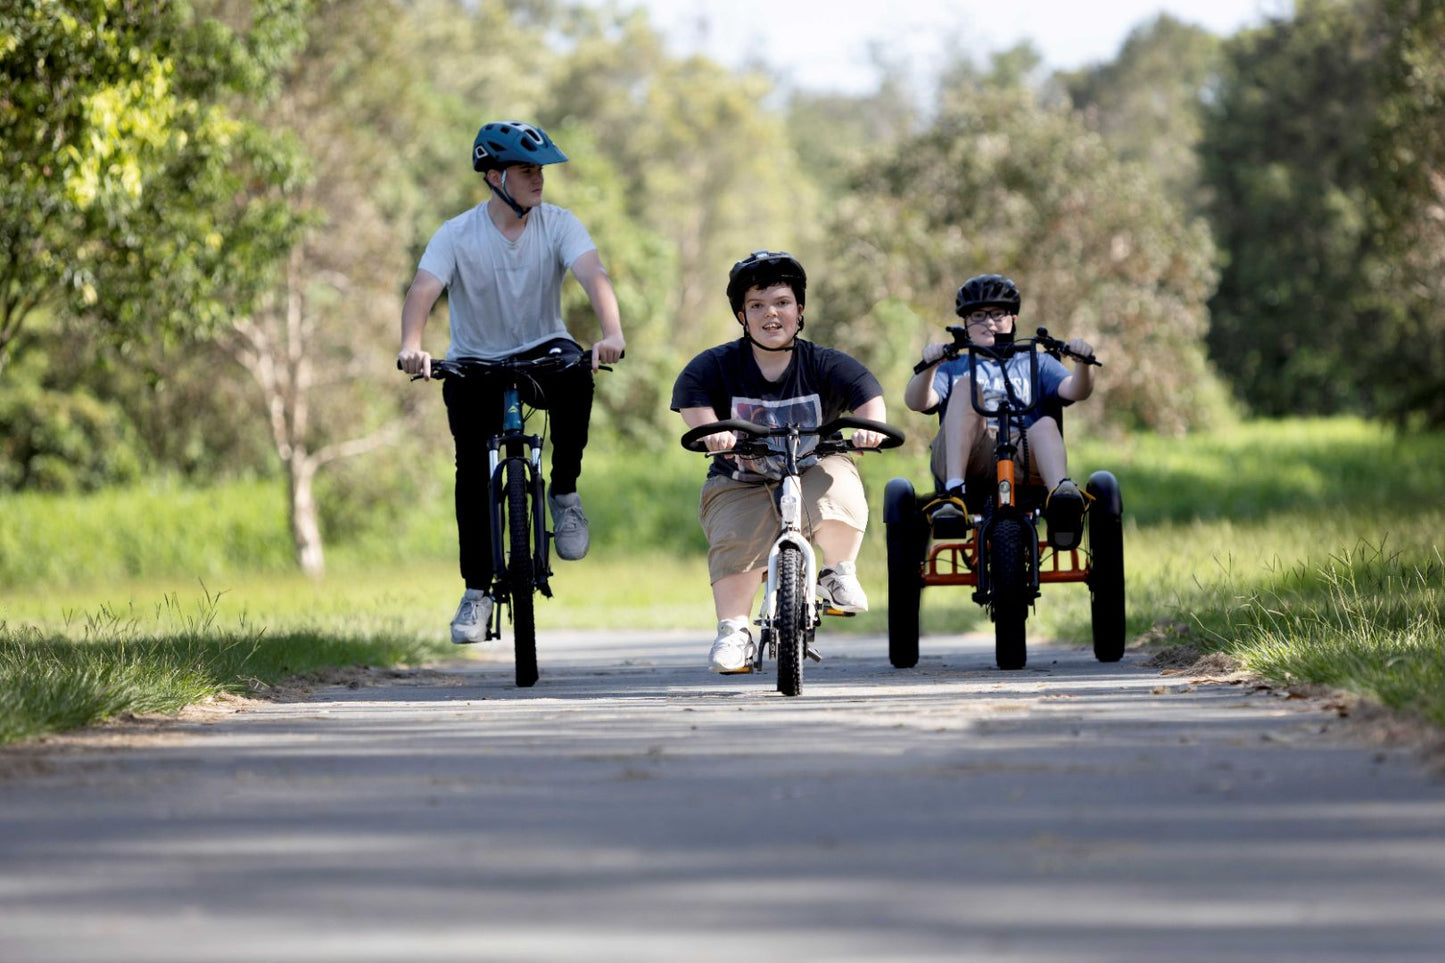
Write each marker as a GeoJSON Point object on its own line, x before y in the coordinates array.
{"type": "Point", "coordinates": [990, 378]}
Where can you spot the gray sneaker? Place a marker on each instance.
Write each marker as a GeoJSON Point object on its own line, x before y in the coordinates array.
{"type": "Point", "coordinates": [569, 525]}
{"type": "Point", "coordinates": [472, 618]}
{"type": "Point", "coordinates": [840, 590]}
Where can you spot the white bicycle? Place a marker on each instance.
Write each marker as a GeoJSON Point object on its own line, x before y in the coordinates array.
{"type": "Point", "coordinates": [791, 610]}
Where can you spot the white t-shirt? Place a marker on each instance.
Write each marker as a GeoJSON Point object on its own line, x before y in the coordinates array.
{"type": "Point", "coordinates": [505, 296]}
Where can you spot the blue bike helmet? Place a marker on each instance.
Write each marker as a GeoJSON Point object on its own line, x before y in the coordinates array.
{"type": "Point", "coordinates": [504, 142]}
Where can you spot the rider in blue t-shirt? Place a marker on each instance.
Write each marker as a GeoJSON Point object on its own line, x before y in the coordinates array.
{"type": "Point", "coordinates": [989, 306]}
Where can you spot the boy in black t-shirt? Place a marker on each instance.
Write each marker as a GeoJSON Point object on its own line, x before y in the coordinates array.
{"type": "Point", "coordinates": [769, 376]}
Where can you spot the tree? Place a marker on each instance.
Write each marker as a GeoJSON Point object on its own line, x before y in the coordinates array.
{"type": "Point", "coordinates": [1286, 159]}
{"type": "Point", "coordinates": [1408, 184]}
{"type": "Point", "coordinates": [1002, 183]}
{"type": "Point", "coordinates": [125, 157]}
{"type": "Point", "coordinates": [1148, 102]}
{"type": "Point", "coordinates": [319, 339]}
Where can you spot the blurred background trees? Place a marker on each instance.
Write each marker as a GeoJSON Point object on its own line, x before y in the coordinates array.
{"type": "Point", "coordinates": [211, 209]}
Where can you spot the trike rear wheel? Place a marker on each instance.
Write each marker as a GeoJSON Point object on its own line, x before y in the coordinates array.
{"type": "Point", "coordinates": [791, 620]}
{"type": "Point", "coordinates": [1008, 572]}
{"type": "Point", "coordinates": [519, 573]}
{"type": "Point", "coordinates": [1106, 567]}
{"type": "Point", "coordinates": [907, 541]}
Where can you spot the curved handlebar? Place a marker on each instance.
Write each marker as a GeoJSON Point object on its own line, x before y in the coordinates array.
{"type": "Point", "coordinates": [754, 446]}
{"type": "Point", "coordinates": [1050, 344]}
{"type": "Point", "coordinates": [463, 367]}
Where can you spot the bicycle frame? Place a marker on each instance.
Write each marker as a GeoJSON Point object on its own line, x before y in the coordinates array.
{"type": "Point", "coordinates": [528, 448]}
{"type": "Point", "coordinates": [789, 498]}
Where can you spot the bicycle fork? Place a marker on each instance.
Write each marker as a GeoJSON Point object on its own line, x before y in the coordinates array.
{"type": "Point", "coordinates": [790, 511]}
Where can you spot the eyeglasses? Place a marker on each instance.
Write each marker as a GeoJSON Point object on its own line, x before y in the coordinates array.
{"type": "Point", "coordinates": [996, 315]}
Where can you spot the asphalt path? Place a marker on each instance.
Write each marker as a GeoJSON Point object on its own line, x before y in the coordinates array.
{"type": "Point", "coordinates": [634, 807]}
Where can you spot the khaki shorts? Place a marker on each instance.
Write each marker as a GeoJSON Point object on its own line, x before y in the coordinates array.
{"type": "Point", "coordinates": [741, 518]}
{"type": "Point", "coordinates": [979, 461]}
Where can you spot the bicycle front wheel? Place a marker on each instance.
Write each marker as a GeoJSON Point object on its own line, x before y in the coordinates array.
{"type": "Point", "coordinates": [519, 572]}
{"type": "Point", "coordinates": [792, 619]}
{"type": "Point", "coordinates": [1009, 585]}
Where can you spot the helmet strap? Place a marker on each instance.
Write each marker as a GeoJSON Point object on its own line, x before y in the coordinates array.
{"type": "Point", "coordinates": [501, 192]}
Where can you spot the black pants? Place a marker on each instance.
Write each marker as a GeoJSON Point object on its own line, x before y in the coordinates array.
{"type": "Point", "coordinates": [474, 412]}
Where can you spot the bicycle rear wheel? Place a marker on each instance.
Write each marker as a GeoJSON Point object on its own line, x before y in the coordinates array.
{"type": "Point", "coordinates": [791, 620]}
{"type": "Point", "coordinates": [519, 572]}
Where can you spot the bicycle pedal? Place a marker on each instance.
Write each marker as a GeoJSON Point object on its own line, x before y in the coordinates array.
{"type": "Point", "coordinates": [813, 654]}
{"type": "Point", "coordinates": [829, 610]}
{"type": "Point", "coordinates": [745, 670]}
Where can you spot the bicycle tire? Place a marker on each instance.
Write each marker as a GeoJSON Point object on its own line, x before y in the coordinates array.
{"type": "Point", "coordinates": [1106, 568]}
{"type": "Point", "coordinates": [1009, 589]}
{"type": "Point", "coordinates": [906, 544]}
{"type": "Point", "coordinates": [791, 620]}
{"type": "Point", "coordinates": [519, 573]}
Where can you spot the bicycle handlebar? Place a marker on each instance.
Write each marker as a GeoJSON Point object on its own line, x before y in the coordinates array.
{"type": "Point", "coordinates": [1051, 345]}
{"type": "Point", "coordinates": [754, 447]}
{"type": "Point", "coordinates": [464, 367]}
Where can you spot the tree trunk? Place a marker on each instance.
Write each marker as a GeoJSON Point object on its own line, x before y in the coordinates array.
{"type": "Point", "coordinates": [305, 527]}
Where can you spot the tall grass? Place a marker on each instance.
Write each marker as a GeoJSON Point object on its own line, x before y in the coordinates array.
{"type": "Point", "coordinates": [112, 661]}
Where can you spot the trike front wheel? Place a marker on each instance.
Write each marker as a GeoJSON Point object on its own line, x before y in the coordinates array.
{"type": "Point", "coordinates": [1008, 572]}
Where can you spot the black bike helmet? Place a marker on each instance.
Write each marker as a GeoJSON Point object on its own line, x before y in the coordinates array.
{"type": "Point", "coordinates": [504, 142]}
{"type": "Point", "coordinates": [987, 291]}
{"type": "Point", "coordinates": [763, 269]}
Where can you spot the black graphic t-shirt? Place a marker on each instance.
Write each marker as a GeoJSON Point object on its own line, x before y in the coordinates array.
{"type": "Point", "coordinates": [819, 384]}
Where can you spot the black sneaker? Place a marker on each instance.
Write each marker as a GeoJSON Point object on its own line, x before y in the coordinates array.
{"type": "Point", "coordinates": [1064, 513]}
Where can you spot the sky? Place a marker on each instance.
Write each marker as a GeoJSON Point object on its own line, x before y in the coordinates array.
{"type": "Point", "coordinates": [823, 45]}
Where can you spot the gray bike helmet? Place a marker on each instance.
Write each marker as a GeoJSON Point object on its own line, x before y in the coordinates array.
{"type": "Point", "coordinates": [987, 291]}
{"type": "Point", "coordinates": [763, 269]}
{"type": "Point", "coordinates": [504, 142]}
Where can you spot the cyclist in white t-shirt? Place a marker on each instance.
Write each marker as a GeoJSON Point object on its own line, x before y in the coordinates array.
{"type": "Point", "coordinates": [502, 264]}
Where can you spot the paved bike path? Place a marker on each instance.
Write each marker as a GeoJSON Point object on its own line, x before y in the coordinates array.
{"type": "Point", "coordinates": [634, 807]}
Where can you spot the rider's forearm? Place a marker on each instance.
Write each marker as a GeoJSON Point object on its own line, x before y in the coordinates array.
{"type": "Point", "coordinates": [692, 417]}
{"type": "Point", "coordinates": [919, 395]}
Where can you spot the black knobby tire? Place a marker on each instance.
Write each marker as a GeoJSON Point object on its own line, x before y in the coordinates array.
{"type": "Point", "coordinates": [791, 620]}
{"type": "Point", "coordinates": [519, 573]}
{"type": "Point", "coordinates": [906, 541]}
{"type": "Point", "coordinates": [1008, 570]}
{"type": "Point", "coordinates": [1106, 567]}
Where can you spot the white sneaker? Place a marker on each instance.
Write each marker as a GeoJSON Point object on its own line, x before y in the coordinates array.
{"type": "Point", "coordinates": [472, 618]}
{"type": "Point", "coordinates": [839, 589]}
{"type": "Point", "coordinates": [569, 525]}
{"type": "Point", "coordinates": [732, 652]}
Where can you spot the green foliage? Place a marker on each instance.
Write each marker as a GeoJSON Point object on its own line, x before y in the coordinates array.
{"type": "Point", "coordinates": [144, 531]}
{"type": "Point", "coordinates": [1002, 183]}
{"type": "Point", "coordinates": [1148, 102]}
{"type": "Point", "coordinates": [1323, 151]}
{"type": "Point", "coordinates": [125, 163]}
{"type": "Point", "coordinates": [1285, 155]}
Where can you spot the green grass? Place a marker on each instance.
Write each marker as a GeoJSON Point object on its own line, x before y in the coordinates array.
{"type": "Point", "coordinates": [1308, 549]}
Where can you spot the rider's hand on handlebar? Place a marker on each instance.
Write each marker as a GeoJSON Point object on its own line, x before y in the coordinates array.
{"type": "Point", "coordinates": [863, 438]}
{"type": "Point", "coordinates": [608, 350]}
{"type": "Point", "coordinates": [722, 441]}
{"type": "Point", "coordinates": [1079, 348]}
{"type": "Point", "coordinates": [414, 362]}
{"type": "Point", "coordinates": [932, 354]}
